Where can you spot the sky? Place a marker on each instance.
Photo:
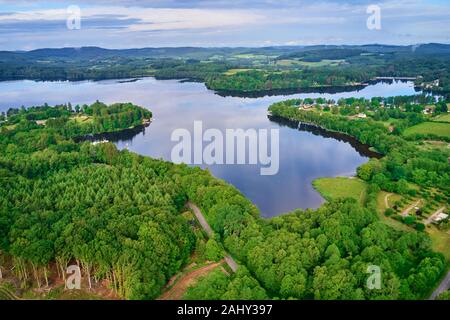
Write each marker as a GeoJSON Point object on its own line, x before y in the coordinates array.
{"type": "Point", "coordinates": [27, 24]}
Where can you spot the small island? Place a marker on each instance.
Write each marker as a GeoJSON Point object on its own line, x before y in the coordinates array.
{"type": "Point", "coordinates": [81, 120]}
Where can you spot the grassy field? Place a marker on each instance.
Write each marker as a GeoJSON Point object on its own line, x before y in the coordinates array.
{"type": "Point", "coordinates": [250, 56]}
{"type": "Point", "coordinates": [433, 145]}
{"type": "Point", "coordinates": [10, 127]}
{"type": "Point", "coordinates": [323, 63]}
{"type": "Point", "coordinates": [441, 241]}
{"type": "Point", "coordinates": [82, 119]}
{"type": "Point", "coordinates": [232, 72]}
{"type": "Point", "coordinates": [442, 117]}
{"type": "Point", "coordinates": [341, 187]}
{"type": "Point", "coordinates": [436, 128]}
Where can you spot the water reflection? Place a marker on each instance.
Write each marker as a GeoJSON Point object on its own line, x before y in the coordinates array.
{"type": "Point", "coordinates": [305, 154]}
{"type": "Point", "coordinates": [363, 149]}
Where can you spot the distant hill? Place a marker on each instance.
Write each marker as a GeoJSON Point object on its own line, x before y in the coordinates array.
{"type": "Point", "coordinates": [198, 52]}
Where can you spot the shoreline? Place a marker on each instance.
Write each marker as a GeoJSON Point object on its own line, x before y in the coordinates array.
{"type": "Point", "coordinates": [363, 149]}
{"type": "Point", "coordinates": [242, 93]}
{"type": "Point", "coordinates": [113, 136]}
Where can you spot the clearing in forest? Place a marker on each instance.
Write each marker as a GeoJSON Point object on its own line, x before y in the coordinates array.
{"type": "Point", "coordinates": [341, 187]}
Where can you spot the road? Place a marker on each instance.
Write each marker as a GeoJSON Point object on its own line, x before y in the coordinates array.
{"type": "Point", "coordinates": [201, 219]}
{"type": "Point", "coordinates": [444, 286]}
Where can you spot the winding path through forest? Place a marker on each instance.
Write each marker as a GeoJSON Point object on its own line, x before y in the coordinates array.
{"type": "Point", "coordinates": [201, 219]}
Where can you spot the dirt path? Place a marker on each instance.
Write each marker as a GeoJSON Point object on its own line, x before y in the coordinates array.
{"type": "Point", "coordinates": [386, 198]}
{"type": "Point", "coordinates": [407, 210]}
{"type": "Point", "coordinates": [430, 218]}
{"type": "Point", "coordinates": [444, 286]}
{"type": "Point", "coordinates": [201, 219]}
{"type": "Point", "coordinates": [180, 287]}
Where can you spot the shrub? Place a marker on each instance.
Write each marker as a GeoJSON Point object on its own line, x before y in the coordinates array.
{"type": "Point", "coordinates": [389, 212]}
{"type": "Point", "coordinates": [419, 226]}
{"type": "Point", "coordinates": [213, 252]}
{"type": "Point", "coordinates": [409, 220]}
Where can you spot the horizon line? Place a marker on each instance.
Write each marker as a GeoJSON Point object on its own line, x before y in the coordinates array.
{"type": "Point", "coordinates": [234, 47]}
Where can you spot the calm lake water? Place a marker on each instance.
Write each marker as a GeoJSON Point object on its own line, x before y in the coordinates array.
{"type": "Point", "coordinates": [305, 154]}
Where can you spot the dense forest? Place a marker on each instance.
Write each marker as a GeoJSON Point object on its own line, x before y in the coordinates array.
{"type": "Point", "coordinates": [250, 81]}
{"type": "Point", "coordinates": [117, 214]}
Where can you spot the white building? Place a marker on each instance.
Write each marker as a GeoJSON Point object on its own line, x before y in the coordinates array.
{"type": "Point", "coordinates": [361, 115]}
{"type": "Point", "coordinates": [99, 142]}
{"type": "Point", "coordinates": [440, 217]}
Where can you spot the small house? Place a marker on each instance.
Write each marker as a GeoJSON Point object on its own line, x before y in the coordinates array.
{"type": "Point", "coordinates": [99, 142]}
{"type": "Point", "coordinates": [428, 109]}
{"type": "Point", "coordinates": [440, 217]}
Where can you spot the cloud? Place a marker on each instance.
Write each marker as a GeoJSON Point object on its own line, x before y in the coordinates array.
{"type": "Point", "coordinates": [125, 23]}
{"type": "Point", "coordinates": [137, 19]}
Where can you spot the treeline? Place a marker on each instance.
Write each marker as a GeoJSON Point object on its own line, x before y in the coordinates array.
{"type": "Point", "coordinates": [110, 67]}
{"type": "Point", "coordinates": [411, 103]}
{"type": "Point", "coordinates": [74, 73]}
{"type": "Point", "coordinates": [81, 120]}
{"type": "Point", "coordinates": [403, 162]}
{"type": "Point", "coordinates": [15, 115]}
{"type": "Point", "coordinates": [189, 69]}
{"type": "Point", "coordinates": [428, 67]}
{"type": "Point", "coordinates": [255, 80]}
{"type": "Point", "coordinates": [321, 54]}
{"type": "Point", "coordinates": [113, 213]}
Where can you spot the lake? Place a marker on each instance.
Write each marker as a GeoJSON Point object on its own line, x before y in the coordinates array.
{"type": "Point", "coordinates": [305, 153]}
